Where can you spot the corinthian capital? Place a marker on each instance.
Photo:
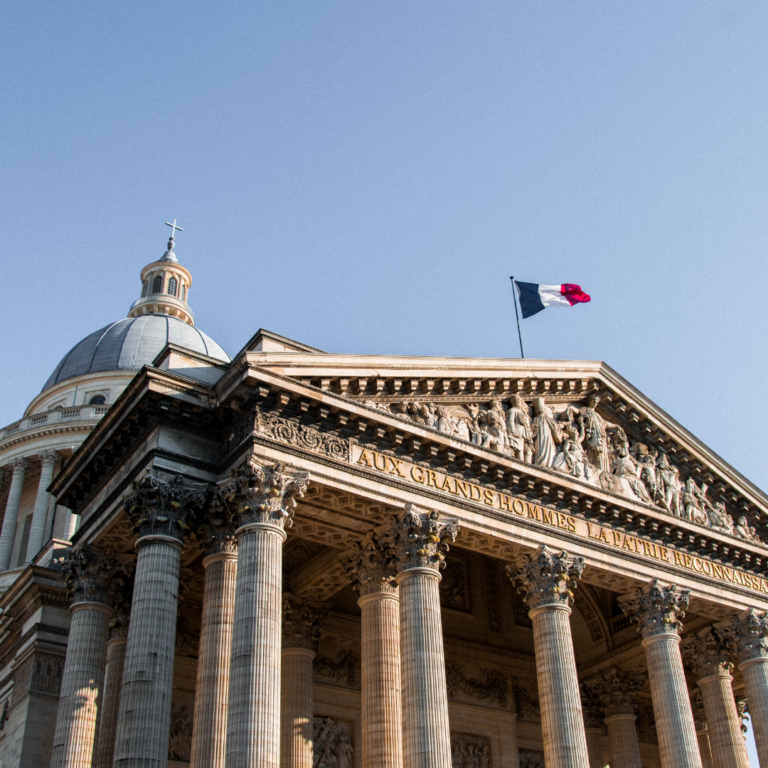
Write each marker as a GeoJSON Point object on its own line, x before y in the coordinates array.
{"type": "Point", "coordinates": [266, 494]}
{"type": "Point", "coordinates": [616, 691]}
{"type": "Point", "coordinates": [371, 565]}
{"type": "Point", "coordinates": [709, 653]}
{"type": "Point", "coordinates": [162, 504]}
{"type": "Point", "coordinates": [420, 539]}
{"type": "Point", "coordinates": [216, 529]}
{"type": "Point", "coordinates": [93, 575]}
{"type": "Point", "coordinates": [47, 458]}
{"type": "Point", "coordinates": [18, 465]}
{"type": "Point", "coordinates": [657, 609]}
{"type": "Point", "coordinates": [749, 632]}
{"type": "Point", "coordinates": [546, 577]}
{"type": "Point", "coordinates": [590, 706]}
{"type": "Point", "coordinates": [301, 619]}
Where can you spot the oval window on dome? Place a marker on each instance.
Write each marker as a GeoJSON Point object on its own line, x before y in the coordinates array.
{"type": "Point", "coordinates": [172, 286]}
{"type": "Point", "coordinates": [157, 285]}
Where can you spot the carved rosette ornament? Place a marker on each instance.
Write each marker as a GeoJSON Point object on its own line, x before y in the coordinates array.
{"type": "Point", "coordinates": [658, 610]}
{"type": "Point", "coordinates": [87, 573]}
{"type": "Point", "coordinates": [749, 631]}
{"type": "Point", "coordinates": [263, 494]}
{"type": "Point", "coordinates": [371, 566]}
{"type": "Point", "coordinates": [708, 653]}
{"type": "Point", "coordinates": [616, 692]}
{"type": "Point", "coordinates": [301, 622]}
{"type": "Point", "coordinates": [420, 539]}
{"type": "Point", "coordinates": [546, 577]}
{"type": "Point", "coordinates": [162, 504]}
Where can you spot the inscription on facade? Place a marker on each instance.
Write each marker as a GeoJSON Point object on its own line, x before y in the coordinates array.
{"type": "Point", "coordinates": [467, 491]}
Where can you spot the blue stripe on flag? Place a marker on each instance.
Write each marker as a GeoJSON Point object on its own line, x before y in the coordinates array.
{"type": "Point", "coordinates": [530, 300]}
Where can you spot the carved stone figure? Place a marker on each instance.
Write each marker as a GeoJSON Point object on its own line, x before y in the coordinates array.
{"type": "Point", "coordinates": [495, 437]}
{"type": "Point", "coordinates": [332, 744]}
{"type": "Point", "coordinates": [719, 519]}
{"type": "Point", "coordinates": [743, 529]}
{"type": "Point", "coordinates": [571, 459]}
{"type": "Point", "coordinates": [625, 468]}
{"type": "Point", "coordinates": [469, 751]}
{"type": "Point", "coordinates": [595, 433]}
{"type": "Point", "coordinates": [181, 734]}
{"type": "Point", "coordinates": [519, 429]}
{"type": "Point", "coordinates": [546, 434]}
{"type": "Point", "coordinates": [669, 480]}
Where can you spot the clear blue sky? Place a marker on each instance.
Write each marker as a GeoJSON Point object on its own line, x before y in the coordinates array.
{"type": "Point", "coordinates": [364, 177]}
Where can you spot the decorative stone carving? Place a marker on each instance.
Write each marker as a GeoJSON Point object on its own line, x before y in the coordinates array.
{"type": "Point", "coordinates": [749, 630]}
{"type": "Point", "coordinates": [180, 744]}
{"type": "Point", "coordinates": [547, 577]}
{"type": "Point", "coordinates": [531, 758]}
{"type": "Point", "coordinates": [301, 618]}
{"type": "Point", "coordinates": [494, 687]}
{"type": "Point", "coordinates": [469, 751]}
{"type": "Point", "coordinates": [92, 575]}
{"type": "Point", "coordinates": [657, 609]}
{"type": "Point", "coordinates": [615, 692]}
{"type": "Point", "coordinates": [216, 529]}
{"type": "Point", "coordinates": [420, 539]}
{"type": "Point", "coordinates": [371, 565]}
{"type": "Point", "coordinates": [708, 653]}
{"type": "Point", "coordinates": [526, 707]}
{"type": "Point", "coordinates": [344, 669]}
{"type": "Point", "coordinates": [742, 710]}
{"type": "Point", "coordinates": [256, 493]}
{"type": "Point", "coordinates": [293, 432]}
{"type": "Point", "coordinates": [591, 706]}
{"type": "Point", "coordinates": [332, 744]}
{"type": "Point", "coordinates": [162, 504]}
{"type": "Point", "coordinates": [453, 586]}
{"type": "Point", "coordinates": [697, 707]}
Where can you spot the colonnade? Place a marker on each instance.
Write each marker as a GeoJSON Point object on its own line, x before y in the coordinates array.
{"type": "Point", "coordinates": [63, 522]}
{"type": "Point", "coordinates": [257, 645]}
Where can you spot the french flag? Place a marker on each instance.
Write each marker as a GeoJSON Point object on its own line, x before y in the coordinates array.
{"type": "Point", "coordinates": [534, 297]}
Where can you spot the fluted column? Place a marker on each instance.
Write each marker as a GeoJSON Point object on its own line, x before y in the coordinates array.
{"type": "Point", "coordinates": [113, 680]}
{"type": "Point", "coordinates": [419, 541]}
{"type": "Point", "coordinates": [85, 572]}
{"type": "Point", "coordinates": [594, 738]}
{"type": "Point", "coordinates": [659, 611]}
{"type": "Point", "coordinates": [593, 724]}
{"type": "Point", "coordinates": [708, 655]}
{"type": "Point", "coordinates": [159, 506]}
{"type": "Point", "coordinates": [373, 572]}
{"type": "Point", "coordinates": [749, 631]}
{"type": "Point", "coordinates": [8, 532]}
{"type": "Point", "coordinates": [209, 722]}
{"type": "Point", "coordinates": [546, 580]}
{"type": "Point", "coordinates": [301, 631]}
{"type": "Point", "coordinates": [40, 513]}
{"type": "Point", "coordinates": [265, 498]}
{"type": "Point", "coordinates": [700, 723]}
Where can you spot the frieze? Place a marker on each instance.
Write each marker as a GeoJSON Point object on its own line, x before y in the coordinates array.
{"type": "Point", "coordinates": [292, 431]}
{"type": "Point", "coordinates": [575, 439]}
{"type": "Point", "coordinates": [468, 750]}
{"type": "Point", "coordinates": [493, 687]}
{"type": "Point", "coordinates": [515, 507]}
{"type": "Point", "coordinates": [344, 669]}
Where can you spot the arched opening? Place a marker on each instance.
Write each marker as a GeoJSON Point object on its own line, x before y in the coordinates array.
{"type": "Point", "coordinates": [157, 285]}
{"type": "Point", "coordinates": [98, 400]}
{"type": "Point", "coordinates": [172, 286]}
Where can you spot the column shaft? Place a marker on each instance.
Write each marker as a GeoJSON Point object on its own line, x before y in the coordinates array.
{"type": "Point", "coordinates": [253, 729]}
{"type": "Point", "coordinates": [755, 672]}
{"type": "Point", "coordinates": [113, 683]}
{"type": "Point", "coordinates": [209, 732]}
{"type": "Point", "coordinates": [594, 738]}
{"type": "Point", "coordinates": [705, 751]}
{"type": "Point", "coordinates": [625, 748]}
{"type": "Point", "coordinates": [144, 718]}
{"type": "Point", "coordinates": [296, 708]}
{"type": "Point", "coordinates": [729, 749]}
{"type": "Point", "coordinates": [81, 687]}
{"type": "Point", "coordinates": [64, 523]}
{"type": "Point", "coordinates": [426, 730]}
{"type": "Point", "coordinates": [40, 514]}
{"type": "Point", "coordinates": [8, 533]}
{"type": "Point", "coordinates": [678, 746]}
{"type": "Point", "coordinates": [382, 711]}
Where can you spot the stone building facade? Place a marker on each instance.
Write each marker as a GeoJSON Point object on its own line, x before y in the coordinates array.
{"type": "Point", "coordinates": [305, 560]}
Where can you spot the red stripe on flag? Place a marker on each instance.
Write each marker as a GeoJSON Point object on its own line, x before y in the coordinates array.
{"type": "Point", "coordinates": [574, 294]}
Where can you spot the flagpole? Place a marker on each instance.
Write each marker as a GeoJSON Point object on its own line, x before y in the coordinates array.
{"type": "Point", "coordinates": [517, 317]}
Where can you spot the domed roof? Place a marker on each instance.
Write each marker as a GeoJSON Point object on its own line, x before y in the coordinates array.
{"type": "Point", "coordinates": [129, 344]}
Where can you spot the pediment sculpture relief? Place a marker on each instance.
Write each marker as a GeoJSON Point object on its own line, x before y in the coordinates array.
{"type": "Point", "coordinates": [578, 441]}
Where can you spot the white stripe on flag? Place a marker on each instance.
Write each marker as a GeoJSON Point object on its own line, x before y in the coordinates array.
{"type": "Point", "coordinates": [550, 296]}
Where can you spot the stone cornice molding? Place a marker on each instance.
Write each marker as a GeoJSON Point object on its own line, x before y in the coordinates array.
{"type": "Point", "coordinates": [546, 578]}
{"type": "Point", "coordinates": [420, 538]}
{"type": "Point", "coordinates": [709, 653]}
{"type": "Point", "coordinates": [263, 493]}
{"type": "Point", "coordinates": [658, 610]}
{"type": "Point", "coordinates": [371, 566]}
{"type": "Point", "coordinates": [163, 504]}
{"type": "Point", "coordinates": [301, 622]}
{"type": "Point", "coordinates": [749, 633]}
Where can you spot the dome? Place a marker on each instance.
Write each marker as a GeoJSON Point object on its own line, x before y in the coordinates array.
{"type": "Point", "coordinates": [129, 344]}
